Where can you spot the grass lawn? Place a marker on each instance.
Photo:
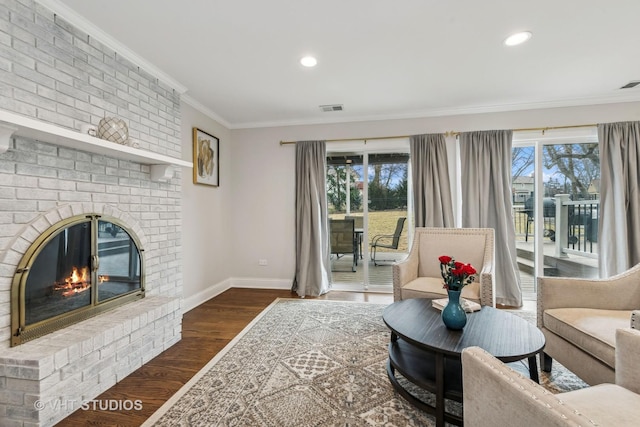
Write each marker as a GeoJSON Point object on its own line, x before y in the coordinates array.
{"type": "Point", "coordinates": [383, 222]}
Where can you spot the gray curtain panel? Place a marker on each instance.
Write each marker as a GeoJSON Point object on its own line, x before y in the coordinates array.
{"type": "Point", "coordinates": [312, 235]}
{"type": "Point", "coordinates": [619, 227]}
{"type": "Point", "coordinates": [486, 203]}
{"type": "Point", "coordinates": [431, 187]}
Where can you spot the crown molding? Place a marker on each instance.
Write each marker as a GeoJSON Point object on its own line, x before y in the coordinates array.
{"type": "Point", "coordinates": [88, 27]}
{"type": "Point", "coordinates": [206, 111]}
{"type": "Point", "coordinates": [444, 112]}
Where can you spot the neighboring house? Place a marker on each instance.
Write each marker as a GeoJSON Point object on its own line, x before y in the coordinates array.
{"type": "Point", "coordinates": [594, 189]}
{"type": "Point", "coordinates": [522, 188]}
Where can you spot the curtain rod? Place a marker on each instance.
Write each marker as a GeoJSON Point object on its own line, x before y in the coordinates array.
{"type": "Point", "coordinates": [448, 133]}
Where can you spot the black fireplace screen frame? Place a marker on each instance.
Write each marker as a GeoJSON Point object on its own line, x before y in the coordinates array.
{"type": "Point", "coordinates": [23, 330]}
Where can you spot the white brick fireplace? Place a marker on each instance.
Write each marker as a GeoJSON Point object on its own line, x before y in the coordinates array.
{"type": "Point", "coordinates": [53, 73]}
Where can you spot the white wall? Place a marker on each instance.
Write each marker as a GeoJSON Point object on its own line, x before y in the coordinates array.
{"type": "Point", "coordinates": [261, 205]}
{"type": "Point", "coordinates": [207, 213]}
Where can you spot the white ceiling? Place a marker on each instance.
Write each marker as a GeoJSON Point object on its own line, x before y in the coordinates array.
{"type": "Point", "coordinates": [239, 59]}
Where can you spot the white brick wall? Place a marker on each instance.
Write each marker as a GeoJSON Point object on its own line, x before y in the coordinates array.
{"type": "Point", "coordinates": [52, 71]}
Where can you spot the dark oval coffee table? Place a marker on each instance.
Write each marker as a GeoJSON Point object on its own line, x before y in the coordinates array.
{"type": "Point", "coordinates": [428, 354]}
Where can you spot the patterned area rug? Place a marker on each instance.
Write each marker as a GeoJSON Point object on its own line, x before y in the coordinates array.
{"type": "Point", "coordinates": [306, 363]}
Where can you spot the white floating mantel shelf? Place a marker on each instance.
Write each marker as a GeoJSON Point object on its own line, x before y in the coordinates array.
{"type": "Point", "coordinates": [12, 125]}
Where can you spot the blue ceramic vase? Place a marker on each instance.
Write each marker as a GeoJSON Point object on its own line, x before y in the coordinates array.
{"type": "Point", "coordinates": [453, 315]}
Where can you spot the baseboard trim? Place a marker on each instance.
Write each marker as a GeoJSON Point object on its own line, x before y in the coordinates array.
{"type": "Point", "coordinates": [233, 282]}
{"type": "Point", "coordinates": [195, 300]}
{"type": "Point", "coordinates": [252, 282]}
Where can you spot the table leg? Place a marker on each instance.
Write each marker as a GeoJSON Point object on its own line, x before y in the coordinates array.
{"type": "Point", "coordinates": [439, 390]}
{"type": "Point", "coordinates": [533, 369]}
{"type": "Point", "coordinates": [355, 252]}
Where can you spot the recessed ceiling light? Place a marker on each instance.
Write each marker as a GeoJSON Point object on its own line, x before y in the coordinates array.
{"type": "Point", "coordinates": [518, 38]}
{"type": "Point", "coordinates": [309, 61]}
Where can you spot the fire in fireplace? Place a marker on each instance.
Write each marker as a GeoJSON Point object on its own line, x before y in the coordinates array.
{"type": "Point", "coordinates": [78, 281]}
{"type": "Point", "coordinates": [78, 268]}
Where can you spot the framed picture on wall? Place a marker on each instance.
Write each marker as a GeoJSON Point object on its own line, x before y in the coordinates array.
{"type": "Point", "coordinates": [206, 158]}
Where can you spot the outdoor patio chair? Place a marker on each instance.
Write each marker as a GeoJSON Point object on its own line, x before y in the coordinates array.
{"type": "Point", "coordinates": [343, 240]}
{"type": "Point", "coordinates": [388, 241]}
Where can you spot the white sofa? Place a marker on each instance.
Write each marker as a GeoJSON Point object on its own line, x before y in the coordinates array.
{"type": "Point", "coordinates": [496, 396]}
{"type": "Point", "coordinates": [418, 276]}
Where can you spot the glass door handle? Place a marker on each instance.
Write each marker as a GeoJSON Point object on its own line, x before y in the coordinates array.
{"type": "Point", "coordinates": [95, 262]}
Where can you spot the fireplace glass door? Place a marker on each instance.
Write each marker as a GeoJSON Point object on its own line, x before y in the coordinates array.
{"type": "Point", "coordinates": [119, 262]}
{"type": "Point", "coordinates": [59, 279]}
{"type": "Point", "coordinates": [75, 270]}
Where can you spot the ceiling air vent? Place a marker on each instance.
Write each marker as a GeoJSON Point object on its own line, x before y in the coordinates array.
{"type": "Point", "coordinates": [631, 84]}
{"type": "Point", "coordinates": [333, 107]}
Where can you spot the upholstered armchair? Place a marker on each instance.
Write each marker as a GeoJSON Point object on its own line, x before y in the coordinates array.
{"type": "Point", "coordinates": [495, 395]}
{"type": "Point", "coordinates": [418, 276]}
{"type": "Point", "coordinates": [579, 319]}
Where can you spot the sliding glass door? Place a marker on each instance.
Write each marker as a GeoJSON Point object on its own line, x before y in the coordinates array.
{"type": "Point", "coordinates": [368, 183]}
{"type": "Point", "coordinates": [556, 207]}
{"type": "Point", "coordinates": [388, 198]}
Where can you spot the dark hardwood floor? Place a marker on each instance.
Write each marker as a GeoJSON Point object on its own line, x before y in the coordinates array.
{"type": "Point", "coordinates": [205, 331]}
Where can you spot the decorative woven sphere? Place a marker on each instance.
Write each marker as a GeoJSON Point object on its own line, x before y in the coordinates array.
{"type": "Point", "coordinates": [114, 130]}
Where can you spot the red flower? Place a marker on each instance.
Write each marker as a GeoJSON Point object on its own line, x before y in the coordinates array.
{"type": "Point", "coordinates": [444, 259]}
{"type": "Point", "coordinates": [456, 274]}
{"type": "Point", "coordinates": [469, 270]}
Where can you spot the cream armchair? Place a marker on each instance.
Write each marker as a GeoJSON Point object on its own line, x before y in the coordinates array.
{"type": "Point", "coordinates": [579, 319]}
{"type": "Point", "coordinates": [419, 276]}
{"type": "Point", "coordinates": [495, 395]}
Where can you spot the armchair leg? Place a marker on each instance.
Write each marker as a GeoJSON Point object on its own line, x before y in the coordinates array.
{"type": "Point", "coordinates": [545, 362]}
